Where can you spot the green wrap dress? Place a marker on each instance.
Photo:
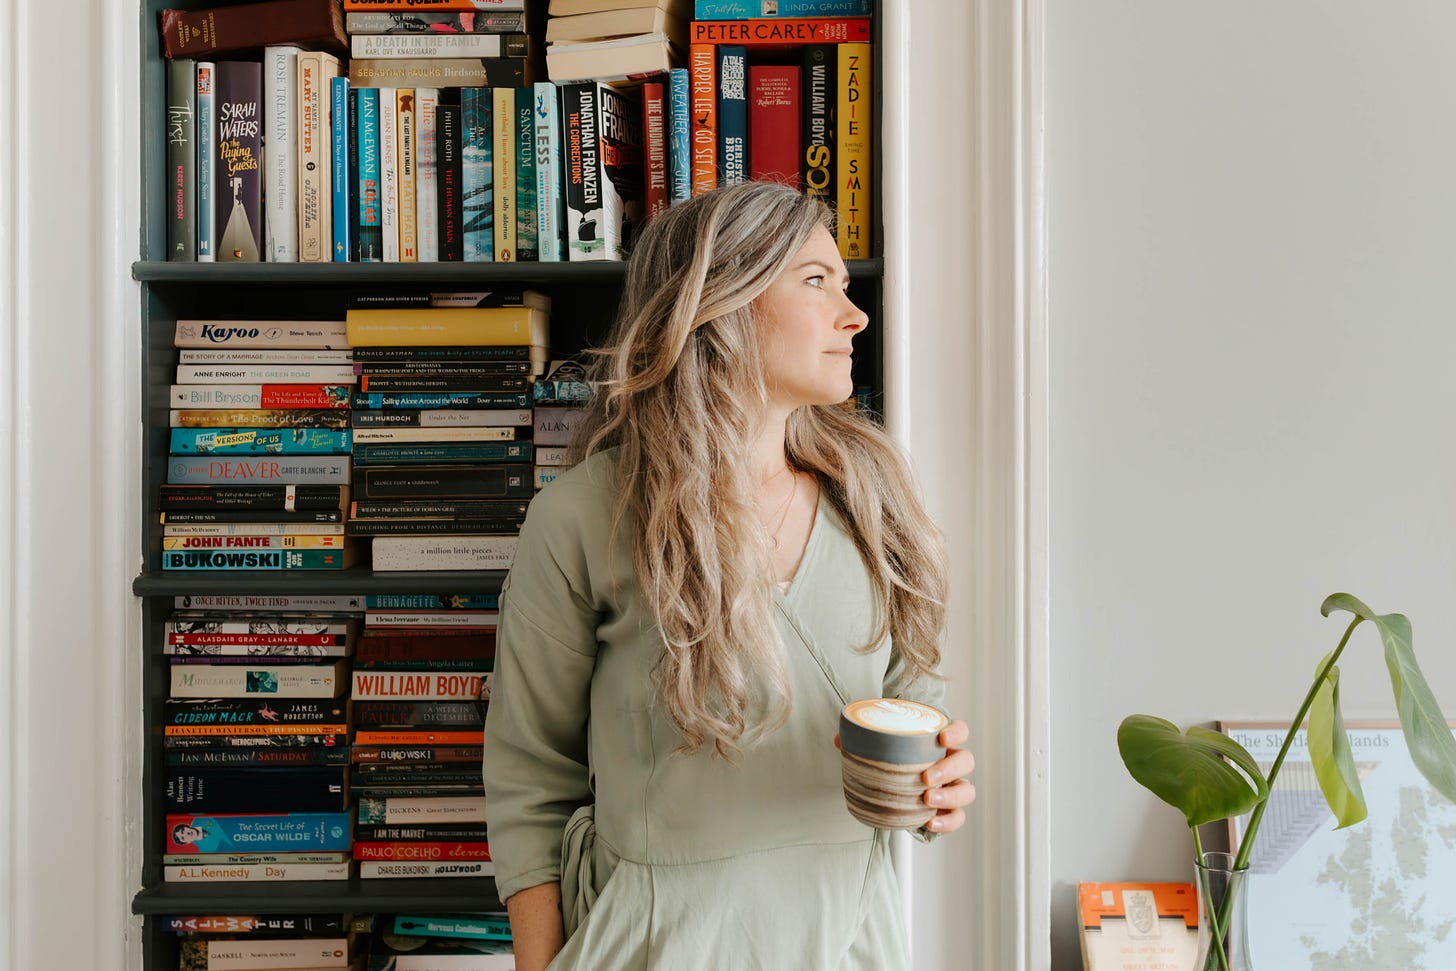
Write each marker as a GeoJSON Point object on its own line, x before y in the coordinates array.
{"type": "Point", "coordinates": [669, 861]}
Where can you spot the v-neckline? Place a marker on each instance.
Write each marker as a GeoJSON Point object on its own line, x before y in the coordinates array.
{"type": "Point", "coordinates": [780, 587]}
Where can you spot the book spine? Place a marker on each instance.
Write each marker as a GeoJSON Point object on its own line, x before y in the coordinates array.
{"type": "Point", "coordinates": [340, 152]}
{"type": "Point", "coordinates": [427, 189]}
{"type": "Point", "coordinates": [220, 29]}
{"type": "Point", "coordinates": [257, 832]}
{"type": "Point", "coordinates": [252, 924]}
{"type": "Point", "coordinates": [421, 850]}
{"type": "Point", "coordinates": [703, 63]}
{"type": "Point", "coordinates": [427, 400]}
{"type": "Point", "coordinates": [256, 873]}
{"type": "Point", "coordinates": [267, 602]}
{"type": "Point", "coordinates": [405, 159]}
{"type": "Point", "coordinates": [280, 154]}
{"type": "Point", "coordinates": [527, 228]}
{"type": "Point", "coordinates": [774, 124]}
{"type": "Point", "coordinates": [297, 789]}
{"type": "Point", "coordinates": [446, 382]}
{"type": "Point", "coordinates": [503, 152]}
{"type": "Point", "coordinates": [182, 160]}
{"type": "Point", "coordinates": [389, 174]}
{"type": "Point", "coordinates": [781, 31]}
{"type": "Point", "coordinates": [477, 200]}
{"type": "Point", "coordinates": [413, 22]}
{"type": "Point", "coordinates": [370, 228]}
{"type": "Point", "coordinates": [434, 5]}
{"type": "Point", "coordinates": [390, 754]}
{"type": "Point", "coordinates": [679, 137]}
{"type": "Point", "coordinates": [442, 482]}
{"type": "Point", "coordinates": [297, 471]}
{"type": "Point", "coordinates": [452, 227]}
{"type": "Point", "coordinates": [852, 152]}
{"type": "Point", "coordinates": [732, 113]}
{"type": "Point", "coordinates": [206, 169]}
{"type": "Point", "coordinates": [437, 620]}
{"type": "Point", "coordinates": [583, 175]}
{"type": "Point", "coordinates": [275, 955]}
{"type": "Point", "coordinates": [282, 497]}
{"type": "Point", "coordinates": [306, 334]}
{"type": "Point", "coordinates": [423, 736]}
{"type": "Point", "coordinates": [433, 527]}
{"type": "Point", "coordinates": [245, 711]}
{"type": "Point", "coordinates": [379, 869]}
{"type": "Point", "coordinates": [258, 755]}
{"type": "Point", "coordinates": [266, 374]}
{"type": "Point", "coordinates": [223, 859]}
{"type": "Point", "coordinates": [450, 418]}
{"type": "Point", "coordinates": [477, 928]}
{"type": "Point", "coordinates": [216, 561]}
{"type": "Point", "coordinates": [263, 356]}
{"type": "Point", "coordinates": [258, 418]}
{"type": "Point", "coordinates": [248, 441]}
{"type": "Point", "coordinates": [516, 353]}
{"type": "Point", "coordinates": [314, 192]}
{"type": "Point", "coordinates": [260, 395]}
{"type": "Point", "coordinates": [415, 713]}
{"type": "Point", "coordinates": [443, 553]}
{"type": "Point", "coordinates": [278, 681]}
{"type": "Point", "coordinates": [619, 127]}
{"type": "Point", "coordinates": [438, 72]}
{"type": "Point", "coordinates": [253, 529]}
{"type": "Point", "coordinates": [468, 433]}
{"type": "Point", "coordinates": [255, 542]}
{"type": "Point", "coordinates": [745, 9]}
{"type": "Point", "coordinates": [549, 201]}
{"type": "Point", "coordinates": [238, 181]}
{"type": "Point", "coordinates": [443, 327]}
{"type": "Point", "coordinates": [437, 44]}
{"type": "Point", "coordinates": [820, 102]}
{"type": "Point", "coordinates": [654, 140]}
{"type": "Point", "coordinates": [479, 509]}
{"type": "Point", "coordinates": [251, 520]}
{"type": "Point", "coordinates": [421, 810]}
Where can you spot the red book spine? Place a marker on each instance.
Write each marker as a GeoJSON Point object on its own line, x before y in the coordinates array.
{"type": "Point", "coordinates": [412, 850]}
{"type": "Point", "coordinates": [773, 124]}
{"type": "Point", "coordinates": [703, 102]}
{"type": "Point", "coordinates": [654, 139]}
{"type": "Point", "coordinates": [414, 647]}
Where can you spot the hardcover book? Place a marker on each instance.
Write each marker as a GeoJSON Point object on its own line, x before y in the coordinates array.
{"type": "Point", "coordinates": [773, 137]}
{"type": "Point", "coordinates": [181, 122]}
{"type": "Point", "coordinates": [237, 182]}
{"type": "Point", "coordinates": [438, 72]}
{"type": "Point", "coordinates": [1136, 926]}
{"type": "Point", "coordinates": [820, 93]}
{"type": "Point", "coordinates": [853, 151]}
{"type": "Point", "coordinates": [780, 32]}
{"type": "Point", "coordinates": [247, 27]}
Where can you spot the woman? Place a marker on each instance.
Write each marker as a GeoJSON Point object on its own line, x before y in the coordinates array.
{"type": "Point", "coordinates": [733, 560]}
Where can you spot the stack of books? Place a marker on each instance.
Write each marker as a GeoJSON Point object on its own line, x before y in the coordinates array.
{"type": "Point", "coordinates": [559, 401]}
{"type": "Point", "coordinates": [442, 437]}
{"type": "Point", "coordinates": [460, 942]}
{"type": "Point", "coordinates": [611, 39]}
{"type": "Point", "coordinates": [258, 471]}
{"type": "Point", "coordinates": [256, 743]}
{"type": "Point", "coordinates": [420, 689]}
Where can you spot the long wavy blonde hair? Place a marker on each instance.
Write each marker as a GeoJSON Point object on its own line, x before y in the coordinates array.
{"type": "Point", "coordinates": [682, 393]}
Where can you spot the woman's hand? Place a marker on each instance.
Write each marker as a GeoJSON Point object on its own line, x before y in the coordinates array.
{"type": "Point", "coordinates": [947, 787]}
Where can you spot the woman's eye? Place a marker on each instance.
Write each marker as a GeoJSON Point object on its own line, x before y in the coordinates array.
{"type": "Point", "coordinates": [815, 281]}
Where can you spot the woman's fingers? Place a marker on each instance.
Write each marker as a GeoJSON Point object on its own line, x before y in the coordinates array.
{"type": "Point", "coordinates": [958, 764]}
{"type": "Point", "coordinates": [954, 796]}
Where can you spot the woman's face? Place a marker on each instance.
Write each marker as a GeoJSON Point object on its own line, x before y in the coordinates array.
{"type": "Point", "coordinates": [807, 324]}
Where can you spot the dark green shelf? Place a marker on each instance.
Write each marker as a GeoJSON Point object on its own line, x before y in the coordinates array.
{"type": "Point", "coordinates": [450, 895]}
{"type": "Point", "coordinates": [311, 582]}
{"type": "Point", "coordinates": [365, 274]}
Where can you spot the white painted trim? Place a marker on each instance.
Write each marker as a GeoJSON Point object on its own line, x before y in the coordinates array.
{"type": "Point", "coordinates": [965, 385]}
{"type": "Point", "coordinates": [69, 174]}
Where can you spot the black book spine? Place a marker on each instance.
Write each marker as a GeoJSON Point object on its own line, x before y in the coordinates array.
{"type": "Point", "coordinates": [253, 711]}
{"type": "Point", "coordinates": [262, 790]}
{"type": "Point", "coordinates": [424, 834]}
{"type": "Point", "coordinates": [447, 155]}
{"type": "Point", "coordinates": [432, 714]}
{"type": "Point", "coordinates": [433, 527]}
{"type": "Point", "coordinates": [218, 497]}
{"type": "Point", "coordinates": [182, 160]}
{"type": "Point", "coordinates": [353, 125]}
{"type": "Point", "coordinates": [395, 382]}
{"type": "Point", "coordinates": [238, 185]}
{"type": "Point", "coordinates": [191, 515]}
{"type": "Point", "coordinates": [304, 755]}
{"type": "Point", "coordinates": [442, 366]}
{"type": "Point", "coordinates": [820, 99]}
{"type": "Point", "coordinates": [445, 482]}
{"type": "Point", "coordinates": [469, 509]}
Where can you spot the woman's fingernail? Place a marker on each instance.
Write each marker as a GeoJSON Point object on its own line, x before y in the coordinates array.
{"type": "Point", "coordinates": [933, 777]}
{"type": "Point", "coordinates": [936, 798]}
{"type": "Point", "coordinates": [935, 824]}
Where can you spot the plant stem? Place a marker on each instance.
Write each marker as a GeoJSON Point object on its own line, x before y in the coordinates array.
{"type": "Point", "coordinates": [1247, 844]}
{"type": "Point", "coordinates": [1209, 905]}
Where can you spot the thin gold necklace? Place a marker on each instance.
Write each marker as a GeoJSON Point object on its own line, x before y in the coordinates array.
{"type": "Point", "coordinates": [784, 513]}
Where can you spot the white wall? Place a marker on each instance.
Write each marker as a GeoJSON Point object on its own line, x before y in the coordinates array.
{"type": "Point", "coordinates": [1252, 401]}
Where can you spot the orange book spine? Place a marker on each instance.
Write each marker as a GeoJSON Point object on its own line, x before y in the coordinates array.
{"type": "Point", "coordinates": [702, 61]}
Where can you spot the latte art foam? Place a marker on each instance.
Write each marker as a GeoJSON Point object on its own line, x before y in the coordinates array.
{"type": "Point", "coordinates": [897, 716]}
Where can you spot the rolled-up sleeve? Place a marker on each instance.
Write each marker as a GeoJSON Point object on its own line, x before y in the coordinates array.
{"type": "Point", "coordinates": [535, 758]}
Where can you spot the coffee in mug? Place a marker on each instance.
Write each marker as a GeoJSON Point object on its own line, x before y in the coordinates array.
{"type": "Point", "coordinates": [886, 744]}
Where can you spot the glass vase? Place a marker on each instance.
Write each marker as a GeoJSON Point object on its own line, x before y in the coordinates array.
{"type": "Point", "coordinates": [1223, 914]}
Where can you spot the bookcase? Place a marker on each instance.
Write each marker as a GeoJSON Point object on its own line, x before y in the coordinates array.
{"type": "Point", "coordinates": [584, 297]}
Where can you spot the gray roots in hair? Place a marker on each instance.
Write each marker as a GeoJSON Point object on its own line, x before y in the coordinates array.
{"type": "Point", "coordinates": [681, 394]}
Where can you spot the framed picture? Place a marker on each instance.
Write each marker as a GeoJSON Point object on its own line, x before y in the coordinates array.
{"type": "Point", "coordinates": [1380, 895]}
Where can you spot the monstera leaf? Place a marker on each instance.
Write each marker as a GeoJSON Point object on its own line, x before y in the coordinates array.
{"type": "Point", "coordinates": [1329, 750]}
{"type": "Point", "coordinates": [1191, 771]}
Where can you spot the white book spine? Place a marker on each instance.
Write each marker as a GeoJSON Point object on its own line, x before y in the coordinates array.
{"type": "Point", "coordinates": [263, 356]}
{"type": "Point", "coordinates": [280, 154]}
{"type": "Point", "coordinates": [315, 170]}
{"type": "Point", "coordinates": [266, 374]}
{"type": "Point", "coordinates": [256, 873]}
{"type": "Point", "coordinates": [206, 160]}
{"type": "Point", "coordinates": [427, 201]}
{"type": "Point", "coordinates": [389, 175]}
{"type": "Point", "coordinates": [444, 552]}
{"type": "Point", "coordinates": [268, 602]}
{"type": "Point", "coordinates": [250, 681]}
{"type": "Point", "coordinates": [253, 529]}
{"type": "Point", "coordinates": [378, 869]}
{"type": "Point", "coordinates": [311, 334]}
{"type": "Point", "coordinates": [392, 810]}
{"type": "Point", "coordinates": [425, 45]}
{"type": "Point", "coordinates": [418, 618]}
{"type": "Point", "coordinates": [548, 173]}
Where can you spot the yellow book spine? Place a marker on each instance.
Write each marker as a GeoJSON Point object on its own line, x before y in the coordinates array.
{"type": "Point", "coordinates": [404, 105]}
{"type": "Point", "coordinates": [503, 113]}
{"type": "Point", "coordinates": [853, 198]}
{"type": "Point", "coordinates": [304, 542]}
{"type": "Point", "coordinates": [446, 327]}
